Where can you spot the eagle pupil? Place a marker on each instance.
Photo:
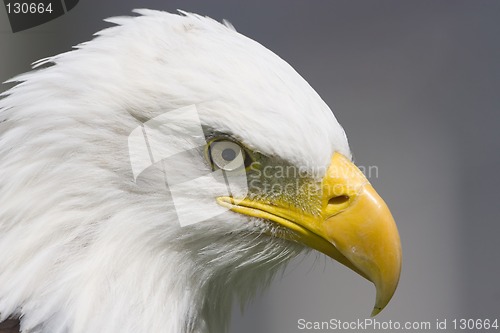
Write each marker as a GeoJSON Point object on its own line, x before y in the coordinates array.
{"type": "Point", "coordinates": [228, 154]}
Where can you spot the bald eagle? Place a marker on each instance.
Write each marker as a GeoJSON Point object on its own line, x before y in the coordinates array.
{"type": "Point", "coordinates": [168, 166]}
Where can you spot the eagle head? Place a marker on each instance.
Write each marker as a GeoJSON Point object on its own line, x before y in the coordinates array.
{"type": "Point", "coordinates": [171, 163]}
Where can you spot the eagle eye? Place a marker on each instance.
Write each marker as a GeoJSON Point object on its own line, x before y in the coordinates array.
{"type": "Point", "coordinates": [226, 155]}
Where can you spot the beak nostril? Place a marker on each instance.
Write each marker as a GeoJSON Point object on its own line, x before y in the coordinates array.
{"type": "Point", "coordinates": [338, 200]}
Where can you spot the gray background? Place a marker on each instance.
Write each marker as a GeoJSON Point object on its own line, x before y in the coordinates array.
{"type": "Point", "coordinates": [416, 86]}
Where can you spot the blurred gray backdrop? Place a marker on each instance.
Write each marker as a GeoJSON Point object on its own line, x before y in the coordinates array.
{"type": "Point", "coordinates": [416, 86]}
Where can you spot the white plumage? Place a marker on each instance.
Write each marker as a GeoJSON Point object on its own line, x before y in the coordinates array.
{"type": "Point", "coordinates": [83, 248]}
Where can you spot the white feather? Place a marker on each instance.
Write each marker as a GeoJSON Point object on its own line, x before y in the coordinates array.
{"type": "Point", "coordinates": [83, 248]}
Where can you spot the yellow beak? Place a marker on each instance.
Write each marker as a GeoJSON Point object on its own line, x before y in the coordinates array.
{"type": "Point", "coordinates": [355, 227]}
